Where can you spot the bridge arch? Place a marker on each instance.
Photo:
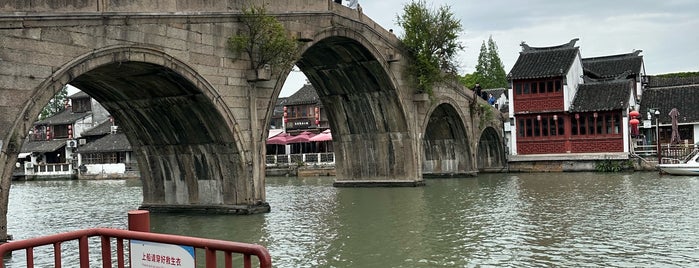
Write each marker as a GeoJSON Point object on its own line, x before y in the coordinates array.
{"type": "Point", "coordinates": [446, 142]}
{"type": "Point", "coordinates": [364, 107]}
{"type": "Point", "coordinates": [185, 138]}
{"type": "Point", "coordinates": [490, 153]}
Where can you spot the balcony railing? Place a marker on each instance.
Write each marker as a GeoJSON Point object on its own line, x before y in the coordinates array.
{"type": "Point", "coordinates": [48, 169]}
{"type": "Point", "coordinates": [319, 159]}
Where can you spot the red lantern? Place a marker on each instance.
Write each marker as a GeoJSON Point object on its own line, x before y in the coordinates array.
{"type": "Point", "coordinates": [634, 126]}
{"type": "Point", "coordinates": [634, 114]}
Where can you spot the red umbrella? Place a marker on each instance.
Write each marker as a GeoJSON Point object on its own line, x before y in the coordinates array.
{"type": "Point", "coordinates": [323, 136]}
{"type": "Point", "coordinates": [301, 138]}
{"type": "Point", "coordinates": [279, 139]}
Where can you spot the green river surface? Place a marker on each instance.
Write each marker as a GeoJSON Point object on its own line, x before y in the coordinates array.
{"type": "Point", "coordinates": [637, 219]}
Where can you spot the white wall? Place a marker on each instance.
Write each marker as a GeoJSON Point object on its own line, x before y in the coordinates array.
{"type": "Point", "coordinates": [573, 79]}
{"type": "Point", "coordinates": [97, 169]}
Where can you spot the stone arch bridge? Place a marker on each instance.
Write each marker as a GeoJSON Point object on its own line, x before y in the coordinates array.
{"type": "Point", "coordinates": [197, 122]}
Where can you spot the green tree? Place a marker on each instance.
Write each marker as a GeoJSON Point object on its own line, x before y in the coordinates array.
{"type": "Point", "coordinates": [468, 80]}
{"type": "Point", "coordinates": [490, 72]}
{"type": "Point", "coordinates": [431, 38]}
{"type": "Point", "coordinates": [55, 105]}
{"type": "Point", "coordinates": [264, 40]}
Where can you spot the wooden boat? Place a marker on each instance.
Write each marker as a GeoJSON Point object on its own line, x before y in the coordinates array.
{"type": "Point", "coordinates": [688, 166]}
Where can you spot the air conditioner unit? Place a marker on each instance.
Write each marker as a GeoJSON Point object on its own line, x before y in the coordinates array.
{"type": "Point", "coordinates": [114, 129]}
{"type": "Point", "coordinates": [71, 143]}
{"type": "Point", "coordinates": [82, 141]}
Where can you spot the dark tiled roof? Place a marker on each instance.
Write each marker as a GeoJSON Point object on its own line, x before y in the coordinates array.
{"type": "Point", "coordinates": [657, 81]}
{"type": "Point", "coordinates": [79, 95]}
{"type": "Point", "coordinates": [42, 146]}
{"type": "Point", "coordinates": [684, 98]}
{"type": "Point", "coordinates": [109, 143]}
{"type": "Point", "coordinates": [306, 95]}
{"type": "Point", "coordinates": [101, 129]}
{"type": "Point", "coordinates": [496, 91]}
{"type": "Point", "coordinates": [614, 65]}
{"type": "Point", "coordinates": [602, 96]}
{"type": "Point", "coordinates": [542, 62]}
{"type": "Point", "coordinates": [62, 118]}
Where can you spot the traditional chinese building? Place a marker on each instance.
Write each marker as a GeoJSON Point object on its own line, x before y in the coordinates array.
{"type": "Point", "coordinates": [304, 112]}
{"type": "Point", "coordinates": [661, 96]}
{"type": "Point", "coordinates": [562, 104]}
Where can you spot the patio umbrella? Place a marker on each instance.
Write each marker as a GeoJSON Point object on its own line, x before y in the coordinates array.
{"type": "Point", "coordinates": [278, 140]}
{"type": "Point", "coordinates": [674, 113]}
{"type": "Point", "coordinates": [323, 136]}
{"type": "Point", "coordinates": [300, 138]}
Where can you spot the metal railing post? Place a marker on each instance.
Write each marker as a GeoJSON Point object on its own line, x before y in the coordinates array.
{"type": "Point", "coordinates": [139, 220]}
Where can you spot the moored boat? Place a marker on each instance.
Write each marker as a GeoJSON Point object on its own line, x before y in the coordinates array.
{"type": "Point", "coordinates": [688, 166]}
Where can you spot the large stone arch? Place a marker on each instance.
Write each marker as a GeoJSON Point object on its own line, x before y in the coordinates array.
{"type": "Point", "coordinates": [371, 132]}
{"type": "Point", "coordinates": [186, 140]}
{"type": "Point", "coordinates": [446, 142]}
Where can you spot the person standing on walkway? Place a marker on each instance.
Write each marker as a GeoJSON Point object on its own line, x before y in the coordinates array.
{"type": "Point", "coordinates": [477, 89]}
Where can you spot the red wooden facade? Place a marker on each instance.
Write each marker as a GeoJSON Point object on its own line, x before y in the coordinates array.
{"type": "Point", "coordinates": [543, 127]}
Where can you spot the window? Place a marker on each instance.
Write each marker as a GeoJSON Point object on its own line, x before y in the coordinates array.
{"type": "Point", "coordinates": [81, 105]}
{"type": "Point", "coordinates": [520, 127]}
{"type": "Point", "coordinates": [60, 131]}
{"type": "Point", "coordinates": [561, 129]}
{"type": "Point", "coordinates": [552, 124]}
{"type": "Point", "coordinates": [540, 126]}
{"type": "Point", "coordinates": [537, 87]}
{"type": "Point", "coordinates": [596, 123]}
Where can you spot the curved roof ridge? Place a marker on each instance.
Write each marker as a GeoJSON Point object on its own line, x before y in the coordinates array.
{"type": "Point", "coordinates": [635, 53]}
{"type": "Point", "coordinates": [570, 45]}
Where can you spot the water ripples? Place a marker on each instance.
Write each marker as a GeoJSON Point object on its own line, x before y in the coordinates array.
{"type": "Point", "coordinates": [493, 220]}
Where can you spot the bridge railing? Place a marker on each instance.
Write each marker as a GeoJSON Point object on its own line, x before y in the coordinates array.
{"type": "Point", "coordinates": [210, 246]}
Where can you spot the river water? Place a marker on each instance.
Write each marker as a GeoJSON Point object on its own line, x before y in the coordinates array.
{"type": "Point", "coordinates": [492, 220]}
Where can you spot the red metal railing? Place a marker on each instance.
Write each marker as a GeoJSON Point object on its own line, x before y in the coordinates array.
{"type": "Point", "coordinates": [211, 247]}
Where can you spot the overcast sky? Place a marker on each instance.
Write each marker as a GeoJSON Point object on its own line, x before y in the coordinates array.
{"type": "Point", "coordinates": [666, 30]}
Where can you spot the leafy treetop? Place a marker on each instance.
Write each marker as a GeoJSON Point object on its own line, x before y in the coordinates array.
{"type": "Point", "coordinates": [264, 40]}
{"type": "Point", "coordinates": [431, 37]}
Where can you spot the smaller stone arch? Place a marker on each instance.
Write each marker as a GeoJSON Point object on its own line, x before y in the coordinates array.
{"type": "Point", "coordinates": [371, 133]}
{"type": "Point", "coordinates": [445, 144]}
{"type": "Point", "coordinates": [490, 154]}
